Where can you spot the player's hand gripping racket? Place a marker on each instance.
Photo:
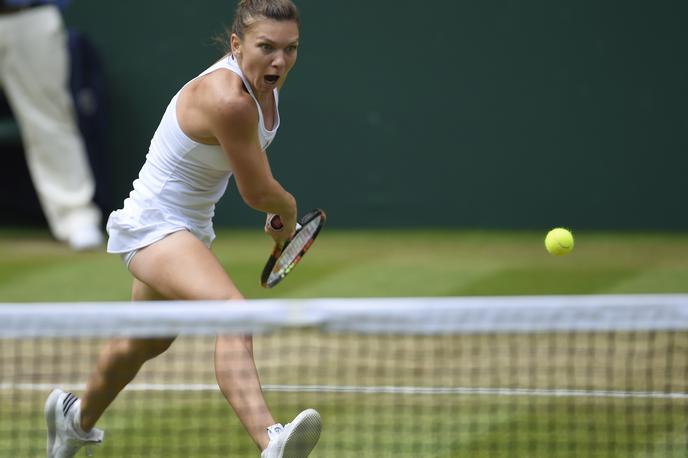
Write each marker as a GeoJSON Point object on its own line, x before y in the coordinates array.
{"type": "Point", "coordinates": [284, 257]}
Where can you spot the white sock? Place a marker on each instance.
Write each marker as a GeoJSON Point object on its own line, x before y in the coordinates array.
{"type": "Point", "coordinates": [75, 412]}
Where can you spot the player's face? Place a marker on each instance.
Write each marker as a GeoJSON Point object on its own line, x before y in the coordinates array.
{"type": "Point", "coordinates": [267, 53]}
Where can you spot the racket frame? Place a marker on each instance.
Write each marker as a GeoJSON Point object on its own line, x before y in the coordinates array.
{"type": "Point", "coordinates": [278, 250]}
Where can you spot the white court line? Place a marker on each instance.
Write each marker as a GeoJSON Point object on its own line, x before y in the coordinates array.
{"type": "Point", "coordinates": [410, 390]}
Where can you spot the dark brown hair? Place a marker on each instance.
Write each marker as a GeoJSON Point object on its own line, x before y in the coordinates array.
{"type": "Point", "coordinates": [249, 11]}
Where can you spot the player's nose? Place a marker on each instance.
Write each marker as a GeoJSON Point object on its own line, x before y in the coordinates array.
{"type": "Point", "coordinates": [279, 60]}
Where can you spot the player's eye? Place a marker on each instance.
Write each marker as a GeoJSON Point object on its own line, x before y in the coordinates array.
{"type": "Point", "coordinates": [265, 47]}
{"type": "Point", "coordinates": [291, 49]}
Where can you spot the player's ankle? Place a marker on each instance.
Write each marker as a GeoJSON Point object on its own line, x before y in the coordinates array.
{"type": "Point", "coordinates": [78, 424]}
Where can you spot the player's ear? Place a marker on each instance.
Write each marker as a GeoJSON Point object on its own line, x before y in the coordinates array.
{"type": "Point", "coordinates": [235, 43]}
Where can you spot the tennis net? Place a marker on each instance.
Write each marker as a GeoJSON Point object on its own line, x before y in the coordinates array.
{"type": "Point", "coordinates": [544, 376]}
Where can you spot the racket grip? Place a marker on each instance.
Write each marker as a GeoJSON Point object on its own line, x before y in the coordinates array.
{"type": "Point", "coordinates": [275, 222]}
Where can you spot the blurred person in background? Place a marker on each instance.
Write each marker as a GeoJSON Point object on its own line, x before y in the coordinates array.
{"type": "Point", "coordinates": [34, 74]}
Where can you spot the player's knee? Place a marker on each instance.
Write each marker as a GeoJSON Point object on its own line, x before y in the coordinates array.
{"type": "Point", "coordinates": [141, 350]}
{"type": "Point", "coordinates": [223, 295]}
{"type": "Point", "coordinates": [154, 347]}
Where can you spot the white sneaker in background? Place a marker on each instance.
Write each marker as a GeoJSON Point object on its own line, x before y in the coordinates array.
{"type": "Point", "coordinates": [63, 439]}
{"type": "Point", "coordinates": [85, 238]}
{"type": "Point", "coordinates": [295, 439]}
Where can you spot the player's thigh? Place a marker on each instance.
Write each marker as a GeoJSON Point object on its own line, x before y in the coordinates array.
{"type": "Point", "coordinates": [142, 292]}
{"type": "Point", "coordinates": [181, 267]}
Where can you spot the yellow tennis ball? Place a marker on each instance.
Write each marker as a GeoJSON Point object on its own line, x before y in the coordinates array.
{"type": "Point", "coordinates": [559, 241]}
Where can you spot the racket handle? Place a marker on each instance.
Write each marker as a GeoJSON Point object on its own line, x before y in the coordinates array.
{"type": "Point", "coordinates": [275, 222]}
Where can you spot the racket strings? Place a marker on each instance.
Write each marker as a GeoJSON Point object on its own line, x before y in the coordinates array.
{"type": "Point", "coordinates": [283, 260]}
{"type": "Point", "coordinates": [296, 245]}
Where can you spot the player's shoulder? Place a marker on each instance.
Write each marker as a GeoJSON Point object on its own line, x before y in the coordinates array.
{"type": "Point", "coordinates": [226, 97]}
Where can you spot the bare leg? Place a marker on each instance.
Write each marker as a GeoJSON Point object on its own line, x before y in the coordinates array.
{"type": "Point", "coordinates": [118, 363]}
{"type": "Point", "coordinates": [180, 267]}
{"type": "Point", "coordinates": [237, 377]}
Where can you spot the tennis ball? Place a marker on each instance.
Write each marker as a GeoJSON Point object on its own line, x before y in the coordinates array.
{"type": "Point", "coordinates": [559, 241]}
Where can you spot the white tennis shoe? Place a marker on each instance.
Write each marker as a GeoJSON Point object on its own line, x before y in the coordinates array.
{"type": "Point", "coordinates": [64, 441]}
{"type": "Point", "coordinates": [295, 439]}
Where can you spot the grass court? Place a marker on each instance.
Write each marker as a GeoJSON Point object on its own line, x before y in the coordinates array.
{"type": "Point", "coordinates": [191, 419]}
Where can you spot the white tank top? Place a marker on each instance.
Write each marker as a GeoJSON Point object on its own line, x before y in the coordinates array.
{"type": "Point", "coordinates": [180, 182]}
{"type": "Point", "coordinates": [185, 174]}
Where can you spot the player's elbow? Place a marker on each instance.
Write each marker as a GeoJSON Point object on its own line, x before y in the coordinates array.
{"type": "Point", "coordinates": [268, 199]}
{"type": "Point", "coordinates": [254, 199]}
{"type": "Point", "coordinates": [259, 199]}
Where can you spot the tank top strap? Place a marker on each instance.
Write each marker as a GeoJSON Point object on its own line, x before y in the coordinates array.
{"type": "Point", "coordinates": [233, 65]}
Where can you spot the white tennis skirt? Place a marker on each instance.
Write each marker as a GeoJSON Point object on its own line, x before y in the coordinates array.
{"type": "Point", "coordinates": [140, 224]}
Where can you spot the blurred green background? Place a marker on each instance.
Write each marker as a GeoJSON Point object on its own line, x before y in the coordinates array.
{"type": "Point", "coordinates": [490, 114]}
{"type": "Point", "coordinates": [451, 137]}
{"type": "Point", "coordinates": [444, 139]}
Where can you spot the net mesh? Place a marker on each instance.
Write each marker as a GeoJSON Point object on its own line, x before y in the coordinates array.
{"type": "Point", "coordinates": [589, 376]}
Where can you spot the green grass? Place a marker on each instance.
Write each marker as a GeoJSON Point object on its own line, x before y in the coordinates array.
{"type": "Point", "coordinates": [200, 425]}
{"type": "Point", "coordinates": [375, 264]}
{"type": "Point", "coordinates": [33, 268]}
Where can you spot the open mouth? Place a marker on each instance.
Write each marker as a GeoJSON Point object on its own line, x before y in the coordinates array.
{"type": "Point", "coordinates": [271, 79]}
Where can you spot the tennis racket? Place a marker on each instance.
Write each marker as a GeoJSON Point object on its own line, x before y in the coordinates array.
{"type": "Point", "coordinates": [285, 257]}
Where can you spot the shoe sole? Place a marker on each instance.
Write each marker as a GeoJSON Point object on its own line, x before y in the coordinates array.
{"type": "Point", "coordinates": [49, 411]}
{"type": "Point", "coordinates": [304, 435]}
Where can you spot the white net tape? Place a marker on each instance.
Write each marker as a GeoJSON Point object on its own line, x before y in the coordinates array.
{"type": "Point", "coordinates": [455, 315]}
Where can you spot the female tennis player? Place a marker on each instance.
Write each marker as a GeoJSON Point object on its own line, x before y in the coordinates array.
{"type": "Point", "coordinates": [217, 126]}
